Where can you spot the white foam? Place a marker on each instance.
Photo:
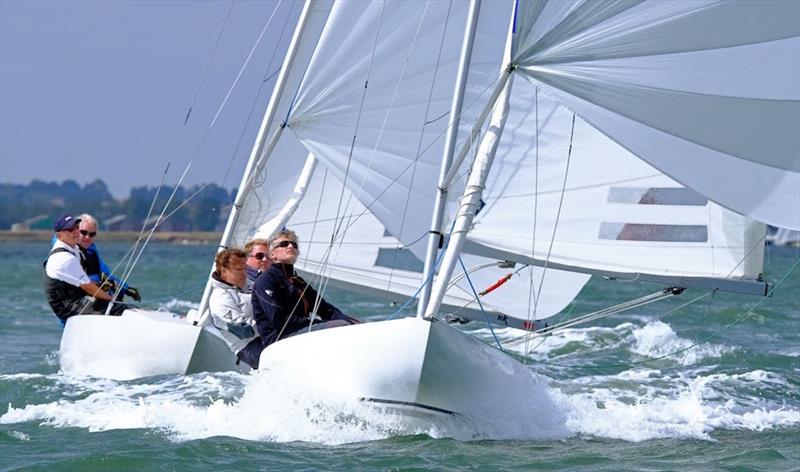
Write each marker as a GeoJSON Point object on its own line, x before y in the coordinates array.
{"type": "Point", "coordinates": [657, 339]}
{"type": "Point", "coordinates": [677, 407]}
{"type": "Point", "coordinates": [177, 305]}
{"type": "Point", "coordinates": [272, 407]}
{"type": "Point", "coordinates": [634, 405]}
{"type": "Point", "coordinates": [19, 435]}
{"type": "Point", "coordinates": [542, 346]}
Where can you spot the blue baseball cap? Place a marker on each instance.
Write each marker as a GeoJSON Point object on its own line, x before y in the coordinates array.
{"type": "Point", "coordinates": [66, 223]}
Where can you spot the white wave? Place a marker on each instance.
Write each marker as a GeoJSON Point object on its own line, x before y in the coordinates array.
{"type": "Point", "coordinates": [18, 435]}
{"type": "Point", "coordinates": [177, 305]}
{"type": "Point", "coordinates": [677, 407]}
{"type": "Point", "coordinates": [657, 339]}
{"type": "Point", "coordinates": [22, 376]}
{"type": "Point", "coordinates": [539, 345]}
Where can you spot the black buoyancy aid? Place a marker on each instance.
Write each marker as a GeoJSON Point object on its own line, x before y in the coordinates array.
{"type": "Point", "coordinates": [65, 299]}
{"type": "Point", "coordinates": [90, 262]}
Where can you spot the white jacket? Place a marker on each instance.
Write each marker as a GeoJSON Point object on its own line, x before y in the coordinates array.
{"type": "Point", "coordinates": [230, 309]}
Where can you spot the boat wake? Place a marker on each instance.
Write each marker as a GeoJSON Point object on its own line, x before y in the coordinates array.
{"type": "Point", "coordinates": [662, 400]}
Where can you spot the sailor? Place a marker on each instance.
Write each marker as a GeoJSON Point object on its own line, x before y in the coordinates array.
{"type": "Point", "coordinates": [230, 305]}
{"type": "Point", "coordinates": [97, 270]}
{"type": "Point", "coordinates": [68, 289]}
{"type": "Point", "coordinates": [283, 303]}
{"type": "Point", "coordinates": [258, 259]}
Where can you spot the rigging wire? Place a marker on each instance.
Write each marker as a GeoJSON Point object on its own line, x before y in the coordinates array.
{"type": "Point", "coordinates": [535, 212]}
{"type": "Point", "coordinates": [716, 333]}
{"type": "Point", "coordinates": [422, 130]}
{"type": "Point", "coordinates": [246, 61]}
{"type": "Point", "coordinates": [264, 81]}
{"type": "Point", "coordinates": [555, 225]}
{"type": "Point", "coordinates": [336, 232]}
{"type": "Point", "coordinates": [208, 63]}
{"type": "Point", "coordinates": [485, 316]}
{"type": "Point", "coordinates": [127, 258]}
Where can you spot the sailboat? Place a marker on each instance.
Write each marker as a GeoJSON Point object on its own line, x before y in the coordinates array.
{"type": "Point", "coordinates": [480, 161]}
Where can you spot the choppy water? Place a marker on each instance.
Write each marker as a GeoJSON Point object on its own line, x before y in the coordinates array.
{"type": "Point", "coordinates": [719, 396]}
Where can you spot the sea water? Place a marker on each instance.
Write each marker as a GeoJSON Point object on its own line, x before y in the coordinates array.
{"type": "Point", "coordinates": [711, 385]}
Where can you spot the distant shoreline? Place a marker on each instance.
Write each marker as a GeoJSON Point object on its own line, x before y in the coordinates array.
{"type": "Point", "coordinates": [188, 237]}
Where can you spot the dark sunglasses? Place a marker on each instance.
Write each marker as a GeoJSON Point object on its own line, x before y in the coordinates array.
{"type": "Point", "coordinates": [86, 233]}
{"type": "Point", "coordinates": [285, 243]}
{"type": "Point", "coordinates": [259, 255]}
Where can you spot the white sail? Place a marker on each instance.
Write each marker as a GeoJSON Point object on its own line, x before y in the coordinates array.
{"type": "Point", "coordinates": [707, 92]}
{"type": "Point", "coordinates": [374, 103]}
{"type": "Point", "coordinates": [264, 190]}
{"type": "Point", "coordinates": [597, 206]}
{"type": "Point", "coordinates": [365, 257]}
{"type": "Point", "coordinates": [604, 201]}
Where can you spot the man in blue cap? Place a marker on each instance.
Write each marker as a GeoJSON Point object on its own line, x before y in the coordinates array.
{"type": "Point", "coordinates": [68, 289]}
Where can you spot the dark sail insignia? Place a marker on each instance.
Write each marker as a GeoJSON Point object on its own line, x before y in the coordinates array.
{"type": "Point", "coordinates": [656, 196]}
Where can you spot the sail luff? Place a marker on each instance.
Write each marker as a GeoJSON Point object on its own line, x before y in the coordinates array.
{"type": "Point", "coordinates": [268, 229]}
{"type": "Point", "coordinates": [256, 154]}
{"type": "Point", "coordinates": [435, 235]}
{"type": "Point", "coordinates": [471, 199]}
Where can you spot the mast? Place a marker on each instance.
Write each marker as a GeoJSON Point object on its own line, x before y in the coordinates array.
{"type": "Point", "coordinates": [471, 199]}
{"type": "Point", "coordinates": [260, 153]}
{"type": "Point", "coordinates": [434, 235]}
{"type": "Point", "coordinates": [473, 191]}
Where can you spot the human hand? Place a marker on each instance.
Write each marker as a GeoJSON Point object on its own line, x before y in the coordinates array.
{"type": "Point", "coordinates": [108, 286]}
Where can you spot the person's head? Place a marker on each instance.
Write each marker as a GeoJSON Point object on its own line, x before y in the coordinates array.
{"type": "Point", "coordinates": [87, 230]}
{"type": "Point", "coordinates": [284, 248]}
{"type": "Point", "coordinates": [66, 229]}
{"type": "Point", "coordinates": [230, 266]}
{"type": "Point", "coordinates": [258, 254]}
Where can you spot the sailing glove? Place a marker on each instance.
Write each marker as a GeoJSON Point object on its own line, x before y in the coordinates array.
{"type": "Point", "coordinates": [108, 286]}
{"type": "Point", "coordinates": [133, 293]}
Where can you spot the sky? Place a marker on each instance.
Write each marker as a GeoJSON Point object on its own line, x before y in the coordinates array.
{"type": "Point", "coordinates": [100, 89]}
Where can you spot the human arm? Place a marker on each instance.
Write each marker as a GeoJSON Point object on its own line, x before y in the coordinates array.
{"type": "Point", "coordinates": [231, 311]}
{"type": "Point", "coordinates": [326, 310]}
{"type": "Point", "coordinates": [93, 290]}
{"type": "Point", "coordinates": [106, 275]}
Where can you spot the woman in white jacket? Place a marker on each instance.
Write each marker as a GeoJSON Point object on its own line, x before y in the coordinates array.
{"type": "Point", "coordinates": [230, 305]}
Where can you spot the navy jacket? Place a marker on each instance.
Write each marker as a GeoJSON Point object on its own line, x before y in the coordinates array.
{"type": "Point", "coordinates": [281, 297]}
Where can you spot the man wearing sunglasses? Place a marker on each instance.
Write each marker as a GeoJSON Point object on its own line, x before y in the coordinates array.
{"type": "Point", "coordinates": [97, 270]}
{"type": "Point", "coordinates": [258, 260]}
{"type": "Point", "coordinates": [283, 303]}
{"type": "Point", "coordinates": [68, 289]}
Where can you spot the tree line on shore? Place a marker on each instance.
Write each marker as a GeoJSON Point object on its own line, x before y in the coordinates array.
{"type": "Point", "coordinates": [37, 204]}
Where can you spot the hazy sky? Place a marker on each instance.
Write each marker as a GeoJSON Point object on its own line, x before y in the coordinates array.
{"type": "Point", "coordinates": [100, 89]}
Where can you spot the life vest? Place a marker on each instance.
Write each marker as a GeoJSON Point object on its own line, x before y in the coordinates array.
{"type": "Point", "coordinates": [64, 299]}
{"type": "Point", "coordinates": [90, 262]}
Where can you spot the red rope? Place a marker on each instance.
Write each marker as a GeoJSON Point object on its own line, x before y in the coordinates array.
{"type": "Point", "coordinates": [496, 284]}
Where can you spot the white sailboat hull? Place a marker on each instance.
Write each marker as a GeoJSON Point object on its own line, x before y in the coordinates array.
{"type": "Point", "coordinates": [412, 367]}
{"type": "Point", "coordinates": [141, 343]}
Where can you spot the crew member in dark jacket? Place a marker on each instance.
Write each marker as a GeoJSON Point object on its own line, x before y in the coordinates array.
{"type": "Point", "coordinates": [283, 303]}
